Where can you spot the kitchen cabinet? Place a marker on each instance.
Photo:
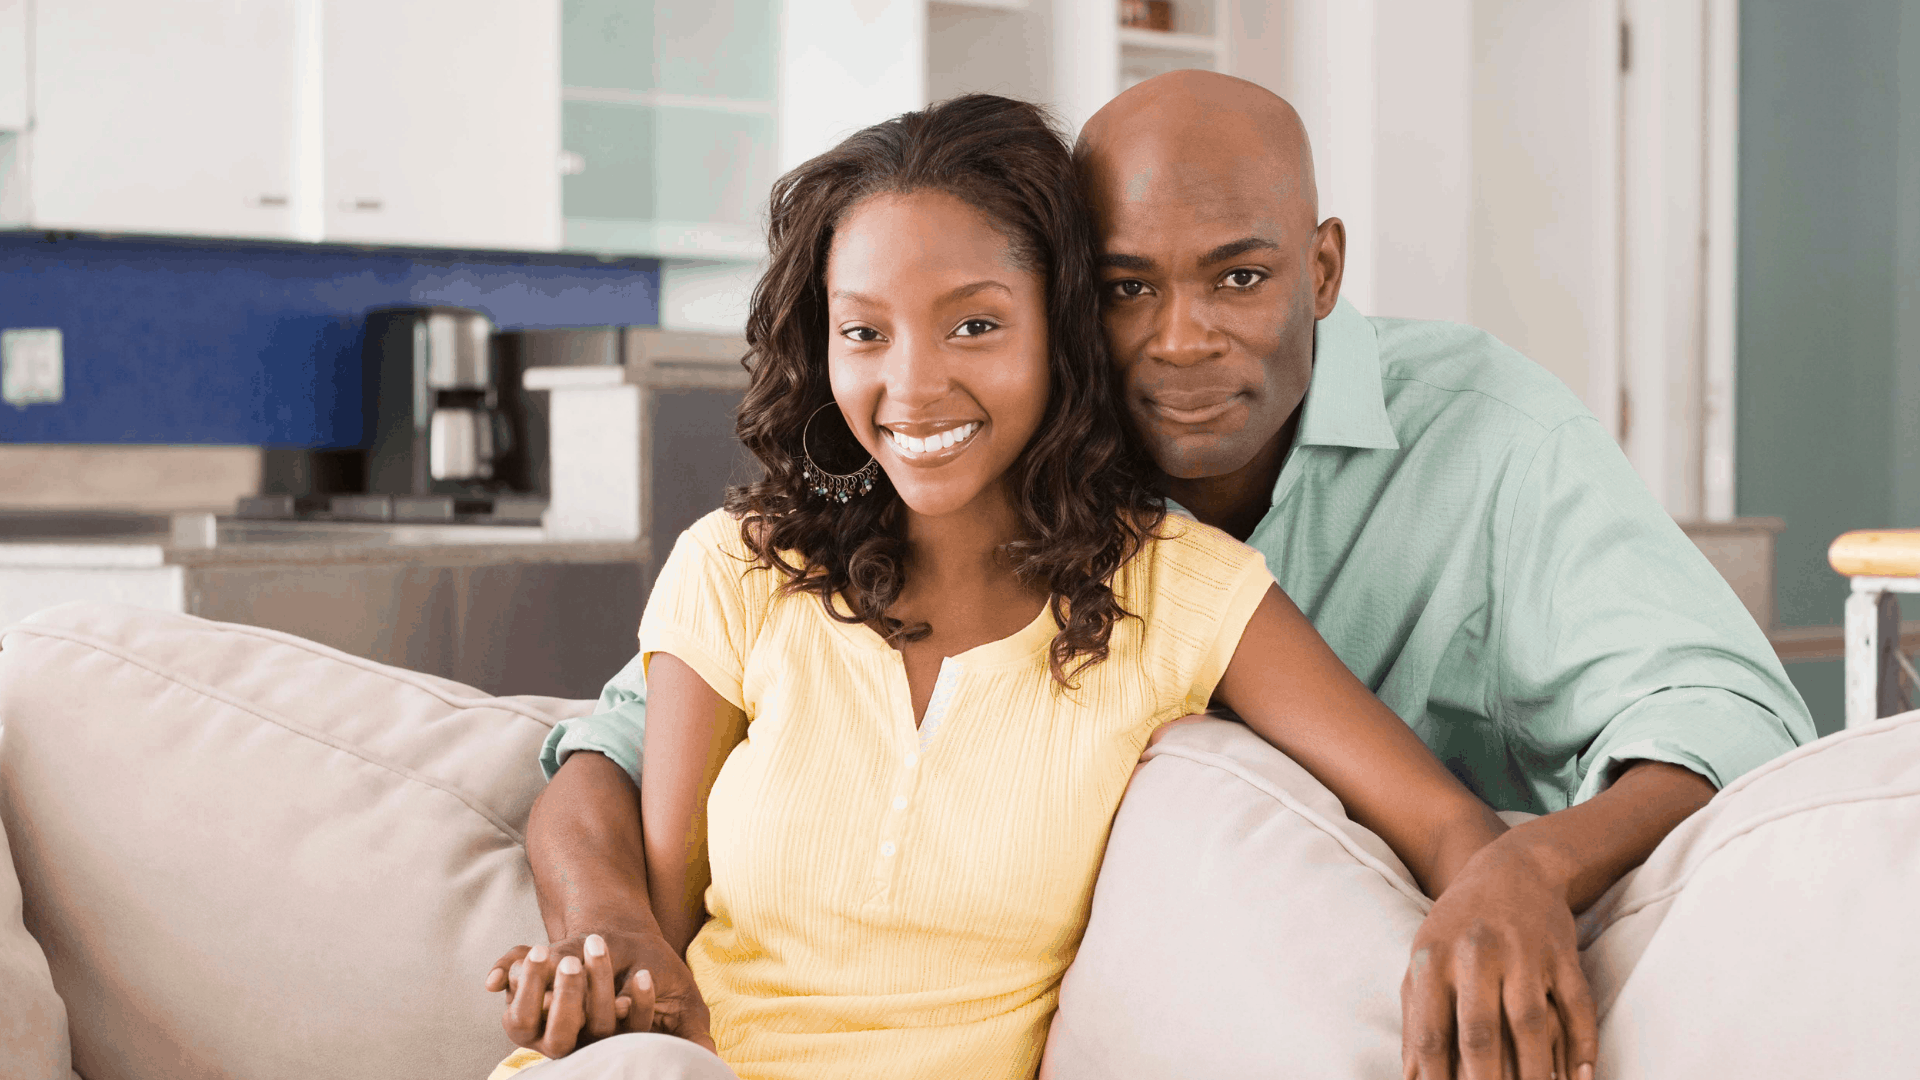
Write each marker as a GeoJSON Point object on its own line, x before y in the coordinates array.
{"type": "Point", "coordinates": [13, 65]}
{"type": "Point", "coordinates": [442, 122]}
{"type": "Point", "coordinates": [669, 125]}
{"type": "Point", "coordinates": [166, 118]}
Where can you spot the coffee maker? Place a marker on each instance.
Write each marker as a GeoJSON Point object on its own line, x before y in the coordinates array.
{"type": "Point", "coordinates": [435, 424]}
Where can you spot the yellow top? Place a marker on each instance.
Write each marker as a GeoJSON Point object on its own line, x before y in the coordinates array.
{"type": "Point", "coordinates": [892, 902]}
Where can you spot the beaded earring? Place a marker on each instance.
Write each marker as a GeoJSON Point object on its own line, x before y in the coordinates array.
{"type": "Point", "coordinates": [835, 487]}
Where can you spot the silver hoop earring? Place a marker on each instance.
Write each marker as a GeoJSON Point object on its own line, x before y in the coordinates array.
{"type": "Point", "coordinates": [835, 487]}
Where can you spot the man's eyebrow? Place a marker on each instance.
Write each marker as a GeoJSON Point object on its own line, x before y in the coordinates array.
{"type": "Point", "coordinates": [1125, 262]}
{"type": "Point", "coordinates": [1237, 248]}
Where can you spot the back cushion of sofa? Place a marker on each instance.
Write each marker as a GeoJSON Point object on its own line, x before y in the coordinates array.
{"type": "Point", "coordinates": [33, 1021]}
{"type": "Point", "coordinates": [247, 855]}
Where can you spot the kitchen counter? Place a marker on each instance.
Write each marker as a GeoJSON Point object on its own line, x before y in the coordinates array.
{"type": "Point", "coordinates": [504, 608]}
{"type": "Point", "coordinates": [142, 540]}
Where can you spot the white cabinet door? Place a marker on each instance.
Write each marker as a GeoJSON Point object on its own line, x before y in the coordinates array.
{"type": "Point", "coordinates": [443, 122]}
{"type": "Point", "coordinates": [13, 65]}
{"type": "Point", "coordinates": [165, 118]}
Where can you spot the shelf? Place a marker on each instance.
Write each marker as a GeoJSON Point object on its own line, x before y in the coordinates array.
{"type": "Point", "coordinates": [660, 100]}
{"type": "Point", "coordinates": [675, 239]}
{"type": "Point", "coordinates": [1163, 43]}
{"type": "Point", "coordinates": [983, 5]}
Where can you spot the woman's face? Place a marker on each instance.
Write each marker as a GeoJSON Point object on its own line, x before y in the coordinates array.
{"type": "Point", "coordinates": [936, 346]}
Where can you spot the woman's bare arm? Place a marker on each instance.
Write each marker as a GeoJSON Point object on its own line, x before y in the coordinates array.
{"type": "Point", "coordinates": [1295, 693]}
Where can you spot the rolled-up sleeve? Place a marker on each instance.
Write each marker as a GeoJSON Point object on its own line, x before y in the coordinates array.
{"type": "Point", "coordinates": [617, 728]}
{"type": "Point", "coordinates": [1617, 639]}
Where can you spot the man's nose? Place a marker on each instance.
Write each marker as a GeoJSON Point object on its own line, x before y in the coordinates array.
{"type": "Point", "coordinates": [1183, 335]}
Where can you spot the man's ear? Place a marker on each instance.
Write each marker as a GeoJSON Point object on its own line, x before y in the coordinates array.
{"type": "Point", "coordinates": [1329, 263]}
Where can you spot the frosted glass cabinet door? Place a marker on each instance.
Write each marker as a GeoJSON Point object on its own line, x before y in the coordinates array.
{"type": "Point", "coordinates": [164, 118]}
{"type": "Point", "coordinates": [443, 122]}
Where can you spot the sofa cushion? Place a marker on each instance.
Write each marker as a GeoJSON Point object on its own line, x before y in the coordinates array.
{"type": "Point", "coordinates": [1242, 926]}
{"type": "Point", "coordinates": [33, 1020]}
{"type": "Point", "coordinates": [1777, 931]}
{"type": "Point", "coordinates": [247, 855]}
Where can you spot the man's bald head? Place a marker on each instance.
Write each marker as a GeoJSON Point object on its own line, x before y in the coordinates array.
{"type": "Point", "coordinates": [1216, 270]}
{"type": "Point", "coordinates": [1196, 126]}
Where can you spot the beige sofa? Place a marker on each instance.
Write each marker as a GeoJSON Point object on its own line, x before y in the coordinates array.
{"type": "Point", "coordinates": [244, 855]}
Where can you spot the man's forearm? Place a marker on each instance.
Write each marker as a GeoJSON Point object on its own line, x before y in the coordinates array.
{"type": "Point", "coordinates": [586, 849]}
{"type": "Point", "coordinates": [1588, 847]}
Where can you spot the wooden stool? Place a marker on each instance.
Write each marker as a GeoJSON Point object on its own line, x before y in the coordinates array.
{"type": "Point", "coordinates": [1882, 563]}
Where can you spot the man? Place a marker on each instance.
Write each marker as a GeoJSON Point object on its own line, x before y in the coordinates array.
{"type": "Point", "coordinates": [1465, 535]}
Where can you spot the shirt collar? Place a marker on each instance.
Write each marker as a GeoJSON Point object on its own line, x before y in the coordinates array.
{"type": "Point", "coordinates": [1345, 404]}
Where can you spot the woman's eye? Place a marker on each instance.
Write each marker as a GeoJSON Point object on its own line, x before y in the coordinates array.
{"type": "Point", "coordinates": [975, 327]}
{"type": "Point", "coordinates": [1244, 279]}
{"type": "Point", "coordinates": [860, 333]}
{"type": "Point", "coordinates": [1127, 288]}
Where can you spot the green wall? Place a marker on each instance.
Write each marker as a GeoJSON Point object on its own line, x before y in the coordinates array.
{"type": "Point", "coordinates": [1829, 316]}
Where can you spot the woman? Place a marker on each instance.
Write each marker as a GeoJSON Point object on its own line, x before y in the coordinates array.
{"type": "Point", "coordinates": [897, 687]}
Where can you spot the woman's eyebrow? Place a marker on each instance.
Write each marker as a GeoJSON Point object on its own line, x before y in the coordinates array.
{"type": "Point", "coordinates": [972, 289]}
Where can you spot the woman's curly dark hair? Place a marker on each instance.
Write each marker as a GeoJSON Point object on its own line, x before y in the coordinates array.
{"type": "Point", "coordinates": [1083, 491]}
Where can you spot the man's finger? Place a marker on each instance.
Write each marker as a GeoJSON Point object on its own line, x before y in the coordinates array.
{"type": "Point", "coordinates": [1426, 1021]}
{"type": "Point", "coordinates": [567, 1015]}
{"type": "Point", "coordinates": [1575, 1001]}
{"type": "Point", "coordinates": [1534, 1025]}
{"type": "Point", "coordinates": [1480, 1037]}
{"type": "Point", "coordinates": [498, 975]}
{"type": "Point", "coordinates": [601, 1021]}
{"type": "Point", "coordinates": [522, 1019]}
{"type": "Point", "coordinates": [640, 993]}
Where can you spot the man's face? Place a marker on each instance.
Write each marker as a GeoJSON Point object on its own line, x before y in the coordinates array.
{"type": "Point", "coordinates": [1213, 273]}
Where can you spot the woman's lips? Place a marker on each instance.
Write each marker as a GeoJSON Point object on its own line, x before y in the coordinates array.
{"type": "Point", "coordinates": [934, 447]}
{"type": "Point", "coordinates": [1195, 408]}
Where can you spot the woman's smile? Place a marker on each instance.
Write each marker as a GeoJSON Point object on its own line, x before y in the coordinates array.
{"type": "Point", "coordinates": [928, 444]}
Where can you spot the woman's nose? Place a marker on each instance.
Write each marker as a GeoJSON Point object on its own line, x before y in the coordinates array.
{"type": "Point", "coordinates": [917, 371]}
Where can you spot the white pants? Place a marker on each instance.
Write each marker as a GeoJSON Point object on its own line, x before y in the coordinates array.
{"type": "Point", "coordinates": [635, 1057]}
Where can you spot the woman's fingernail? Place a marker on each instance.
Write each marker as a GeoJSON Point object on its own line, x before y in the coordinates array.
{"type": "Point", "coordinates": [596, 945]}
{"type": "Point", "coordinates": [1584, 1072]}
{"type": "Point", "coordinates": [644, 980]}
{"type": "Point", "coordinates": [569, 965]}
{"type": "Point", "coordinates": [537, 954]}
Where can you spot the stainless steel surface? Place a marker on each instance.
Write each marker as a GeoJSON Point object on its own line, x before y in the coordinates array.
{"type": "Point", "coordinates": [456, 349]}
{"type": "Point", "coordinates": [459, 445]}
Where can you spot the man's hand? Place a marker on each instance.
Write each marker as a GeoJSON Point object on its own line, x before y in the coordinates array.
{"type": "Point", "coordinates": [1495, 987]}
{"type": "Point", "coordinates": [590, 986]}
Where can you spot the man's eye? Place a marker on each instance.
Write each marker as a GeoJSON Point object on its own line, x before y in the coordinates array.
{"type": "Point", "coordinates": [860, 333]}
{"type": "Point", "coordinates": [1245, 279]}
{"type": "Point", "coordinates": [975, 327]}
{"type": "Point", "coordinates": [1126, 288]}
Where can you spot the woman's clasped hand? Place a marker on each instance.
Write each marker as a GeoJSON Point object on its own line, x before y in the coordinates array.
{"type": "Point", "coordinates": [565, 994]}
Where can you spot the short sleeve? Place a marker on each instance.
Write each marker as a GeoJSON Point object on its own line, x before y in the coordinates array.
{"type": "Point", "coordinates": [1203, 590]}
{"type": "Point", "coordinates": [617, 728]}
{"type": "Point", "coordinates": [702, 611]}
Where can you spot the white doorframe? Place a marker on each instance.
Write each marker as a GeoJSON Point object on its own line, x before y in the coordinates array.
{"type": "Point", "coordinates": [1720, 289]}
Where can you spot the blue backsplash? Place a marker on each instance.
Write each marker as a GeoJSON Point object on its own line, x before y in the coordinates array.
{"type": "Point", "coordinates": [259, 344]}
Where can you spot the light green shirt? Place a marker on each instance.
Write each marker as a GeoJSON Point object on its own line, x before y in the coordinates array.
{"type": "Point", "coordinates": [1475, 547]}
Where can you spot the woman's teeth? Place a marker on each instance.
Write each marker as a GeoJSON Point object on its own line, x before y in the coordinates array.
{"type": "Point", "coordinates": [932, 443]}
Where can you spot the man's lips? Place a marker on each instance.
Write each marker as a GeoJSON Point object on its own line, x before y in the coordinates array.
{"type": "Point", "coordinates": [1194, 406]}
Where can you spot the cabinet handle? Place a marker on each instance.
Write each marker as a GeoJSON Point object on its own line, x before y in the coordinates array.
{"type": "Point", "coordinates": [572, 163]}
{"type": "Point", "coordinates": [269, 202]}
{"type": "Point", "coordinates": [366, 205]}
